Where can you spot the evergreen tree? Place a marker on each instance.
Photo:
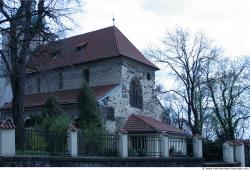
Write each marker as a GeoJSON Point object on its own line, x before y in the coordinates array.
{"type": "Point", "coordinates": [89, 113]}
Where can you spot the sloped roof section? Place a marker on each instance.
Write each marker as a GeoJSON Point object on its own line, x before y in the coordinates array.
{"type": "Point", "coordinates": [6, 124]}
{"type": "Point", "coordinates": [143, 124]}
{"type": "Point", "coordinates": [97, 45]}
{"type": "Point", "coordinates": [64, 96]}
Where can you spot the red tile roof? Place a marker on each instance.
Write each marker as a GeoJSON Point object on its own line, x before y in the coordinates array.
{"type": "Point", "coordinates": [6, 124]}
{"type": "Point", "coordinates": [100, 44]}
{"type": "Point", "coordinates": [64, 97]}
{"type": "Point", "coordinates": [239, 142]}
{"type": "Point", "coordinates": [139, 124]}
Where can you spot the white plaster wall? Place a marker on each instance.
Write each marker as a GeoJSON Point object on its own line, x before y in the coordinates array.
{"type": "Point", "coordinates": [7, 142]}
{"type": "Point", "coordinates": [228, 153]}
{"type": "Point", "coordinates": [5, 91]}
{"type": "Point", "coordinates": [240, 154]}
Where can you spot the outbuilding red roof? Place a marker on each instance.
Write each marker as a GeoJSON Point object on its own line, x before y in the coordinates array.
{"type": "Point", "coordinates": [6, 124]}
{"type": "Point", "coordinates": [144, 124]}
{"type": "Point", "coordinates": [64, 96]}
{"type": "Point", "coordinates": [239, 142]}
{"type": "Point", "coordinates": [97, 45]}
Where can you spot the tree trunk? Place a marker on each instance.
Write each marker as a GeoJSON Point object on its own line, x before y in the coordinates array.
{"type": "Point", "coordinates": [17, 82]}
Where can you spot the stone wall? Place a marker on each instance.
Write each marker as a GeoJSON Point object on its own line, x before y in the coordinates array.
{"type": "Point", "coordinates": [98, 162]}
{"type": "Point", "coordinates": [119, 98]}
{"type": "Point", "coordinates": [5, 91]}
{"type": "Point", "coordinates": [103, 72]}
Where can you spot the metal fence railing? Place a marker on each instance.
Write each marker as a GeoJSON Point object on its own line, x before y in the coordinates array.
{"type": "Point", "coordinates": [144, 146]}
{"type": "Point", "coordinates": [212, 151]}
{"type": "Point", "coordinates": [180, 147]}
{"type": "Point", "coordinates": [90, 144]}
{"type": "Point", "coordinates": [44, 143]}
{"type": "Point", "coordinates": [247, 155]}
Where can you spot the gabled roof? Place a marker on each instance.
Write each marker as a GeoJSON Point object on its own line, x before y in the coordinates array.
{"type": "Point", "coordinates": [6, 124]}
{"type": "Point", "coordinates": [238, 142]}
{"type": "Point", "coordinates": [97, 45]}
{"type": "Point", "coordinates": [143, 124]}
{"type": "Point", "coordinates": [64, 96]}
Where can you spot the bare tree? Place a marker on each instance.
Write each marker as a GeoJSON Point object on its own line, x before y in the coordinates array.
{"type": "Point", "coordinates": [229, 85]}
{"type": "Point", "coordinates": [175, 109]}
{"type": "Point", "coordinates": [26, 24]}
{"type": "Point", "coordinates": [186, 55]}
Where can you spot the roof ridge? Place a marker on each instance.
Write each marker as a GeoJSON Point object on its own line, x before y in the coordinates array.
{"type": "Point", "coordinates": [116, 39]}
{"type": "Point", "coordinates": [137, 116]}
{"type": "Point", "coordinates": [81, 34]}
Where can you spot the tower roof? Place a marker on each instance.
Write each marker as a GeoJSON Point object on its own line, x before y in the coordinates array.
{"type": "Point", "coordinates": [92, 46]}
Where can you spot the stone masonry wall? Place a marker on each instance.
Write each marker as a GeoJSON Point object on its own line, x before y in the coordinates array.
{"type": "Point", "coordinates": [119, 99]}
{"type": "Point", "coordinates": [99, 74]}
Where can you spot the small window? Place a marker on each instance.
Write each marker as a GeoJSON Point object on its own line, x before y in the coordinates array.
{"type": "Point", "coordinates": [86, 74]}
{"type": "Point", "coordinates": [60, 80]}
{"type": "Point", "coordinates": [110, 114]}
{"type": "Point", "coordinates": [38, 84]}
{"type": "Point", "coordinates": [81, 46]}
{"type": "Point", "coordinates": [135, 94]}
{"type": "Point", "coordinates": [55, 54]}
{"type": "Point", "coordinates": [148, 76]}
{"type": "Point", "coordinates": [28, 123]}
{"type": "Point", "coordinates": [77, 122]}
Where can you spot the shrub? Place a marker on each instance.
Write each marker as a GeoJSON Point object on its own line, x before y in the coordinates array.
{"type": "Point", "coordinates": [89, 113]}
{"type": "Point", "coordinates": [55, 123]}
{"type": "Point", "coordinates": [36, 142]}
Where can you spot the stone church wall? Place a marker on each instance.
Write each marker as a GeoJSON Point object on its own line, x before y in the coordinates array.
{"type": "Point", "coordinates": [119, 99]}
{"type": "Point", "coordinates": [99, 74]}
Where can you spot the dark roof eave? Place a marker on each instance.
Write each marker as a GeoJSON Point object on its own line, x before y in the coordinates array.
{"type": "Point", "coordinates": [37, 106]}
{"type": "Point", "coordinates": [153, 66]}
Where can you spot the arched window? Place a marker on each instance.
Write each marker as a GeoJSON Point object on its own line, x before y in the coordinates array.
{"type": "Point", "coordinates": [38, 84]}
{"type": "Point", "coordinates": [135, 94]}
{"type": "Point", "coordinates": [27, 123]}
{"type": "Point", "coordinates": [60, 80]}
{"type": "Point", "coordinates": [86, 75]}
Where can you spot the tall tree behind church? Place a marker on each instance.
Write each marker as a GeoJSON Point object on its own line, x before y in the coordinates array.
{"type": "Point", "coordinates": [24, 26]}
{"type": "Point", "coordinates": [186, 56]}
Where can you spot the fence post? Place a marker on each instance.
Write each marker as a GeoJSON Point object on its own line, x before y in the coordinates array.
{"type": "Point", "coordinates": [124, 145]}
{"type": "Point", "coordinates": [228, 155]}
{"type": "Point", "coordinates": [72, 140]}
{"type": "Point", "coordinates": [240, 154]}
{"type": "Point", "coordinates": [164, 146]}
{"type": "Point", "coordinates": [7, 138]}
{"type": "Point", "coordinates": [197, 146]}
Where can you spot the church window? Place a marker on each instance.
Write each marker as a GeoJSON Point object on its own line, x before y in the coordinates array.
{"type": "Point", "coordinates": [81, 46]}
{"type": "Point", "coordinates": [110, 114]}
{"type": "Point", "coordinates": [28, 123]}
{"type": "Point", "coordinates": [60, 80]}
{"type": "Point", "coordinates": [148, 76]}
{"type": "Point", "coordinates": [55, 54]}
{"type": "Point", "coordinates": [135, 94]}
{"type": "Point", "coordinates": [86, 74]}
{"type": "Point", "coordinates": [38, 84]}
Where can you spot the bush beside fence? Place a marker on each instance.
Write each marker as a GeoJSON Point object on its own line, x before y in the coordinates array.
{"type": "Point", "coordinates": [90, 144]}
{"type": "Point", "coordinates": [44, 143]}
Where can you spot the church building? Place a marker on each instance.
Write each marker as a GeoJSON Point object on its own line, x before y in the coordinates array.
{"type": "Point", "coordinates": [121, 78]}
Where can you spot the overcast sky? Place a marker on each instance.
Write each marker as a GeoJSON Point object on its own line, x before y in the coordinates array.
{"type": "Point", "coordinates": [144, 22]}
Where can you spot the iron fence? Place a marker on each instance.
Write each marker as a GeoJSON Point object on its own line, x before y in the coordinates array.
{"type": "Point", "coordinates": [91, 144]}
{"type": "Point", "coordinates": [247, 154]}
{"type": "Point", "coordinates": [180, 147]}
{"type": "Point", "coordinates": [212, 151]}
{"type": "Point", "coordinates": [44, 143]}
{"type": "Point", "coordinates": [144, 146]}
